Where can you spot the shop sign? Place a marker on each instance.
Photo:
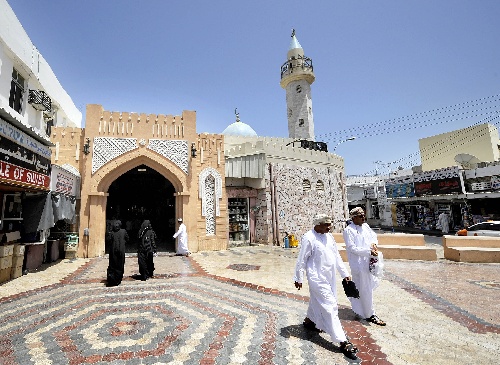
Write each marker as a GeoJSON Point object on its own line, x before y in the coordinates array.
{"type": "Point", "coordinates": [481, 186]}
{"type": "Point", "coordinates": [62, 181]}
{"type": "Point", "coordinates": [14, 153]}
{"type": "Point", "coordinates": [10, 132]}
{"type": "Point", "coordinates": [438, 187]}
{"type": "Point", "coordinates": [382, 197]}
{"type": "Point", "coordinates": [495, 182]}
{"type": "Point", "coordinates": [371, 193]}
{"type": "Point", "coordinates": [405, 190]}
{"type": "Point", "coordinates": [16, 174]}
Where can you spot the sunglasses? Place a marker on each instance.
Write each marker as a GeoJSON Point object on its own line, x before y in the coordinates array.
{"type": "Point", "coordinates": [360, 216]}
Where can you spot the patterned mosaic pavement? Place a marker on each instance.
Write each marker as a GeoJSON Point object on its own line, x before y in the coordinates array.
{"type": "Point", "coordinates": [239, 307]}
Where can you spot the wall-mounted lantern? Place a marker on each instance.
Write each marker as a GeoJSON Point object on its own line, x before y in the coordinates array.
{"type": "Point", "coordinates": [86, 146]}
{"type": "Point", "coordinates": [193, 150]}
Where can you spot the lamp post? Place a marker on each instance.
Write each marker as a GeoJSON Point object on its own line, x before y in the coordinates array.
{"type": "Point", "coordinates": [345, 140]}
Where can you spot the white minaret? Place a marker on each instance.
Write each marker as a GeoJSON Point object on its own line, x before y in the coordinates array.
{"type": "Point", "coordinates": [296, 78]}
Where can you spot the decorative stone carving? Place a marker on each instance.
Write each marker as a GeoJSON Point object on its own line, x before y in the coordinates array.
{"type": "Point", "coordinates": [203, 194]}
{"type": "Point", "coordinates": [210, 205]}
{"type": "Point", "coordinates": [176, 151]}
{"type": "Point", "coordinates": [108, 148]}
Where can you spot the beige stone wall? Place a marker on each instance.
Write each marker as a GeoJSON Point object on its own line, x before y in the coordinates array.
{"type": "Point", "coordinates": [439, 151]}
{"type": "Point", "coordinates": [297, 204]}
{"type": "Point", "coordinates": [67, 147]}
{"type": "Point", "coordinates": [119, 126]}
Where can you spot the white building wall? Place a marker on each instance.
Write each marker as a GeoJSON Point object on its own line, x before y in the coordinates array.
{"type": "Point", "coordinates": [17, 51]}
{"type": "Point", "coordinates": [299, 106]}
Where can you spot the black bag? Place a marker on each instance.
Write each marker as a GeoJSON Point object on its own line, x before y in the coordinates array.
{"type": "Point", "coordinates": [350, 288]}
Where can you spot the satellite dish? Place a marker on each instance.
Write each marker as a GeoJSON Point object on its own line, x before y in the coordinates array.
{"type": "Point", "coordinates": [467, 161]}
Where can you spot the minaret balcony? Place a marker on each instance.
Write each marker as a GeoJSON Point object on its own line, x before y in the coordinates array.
{"type": "Point", "coordinates": [300, 68]}
{"type": "Point", "coordinates": [300, 64]}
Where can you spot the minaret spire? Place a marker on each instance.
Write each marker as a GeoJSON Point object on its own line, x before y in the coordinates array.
{"type": "Point", "coordinates": [296, 78]}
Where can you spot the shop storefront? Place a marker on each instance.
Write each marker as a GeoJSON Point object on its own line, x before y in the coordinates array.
{"type": "Point", "coordinates": [421, 198]}
{"type": "Point", "coordinates": [25, 169]}
{"type": "Point", "coordinates": [241, 215]}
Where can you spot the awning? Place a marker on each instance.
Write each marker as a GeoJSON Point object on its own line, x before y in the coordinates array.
{"type": "Point", "coordinates": [42, 211]}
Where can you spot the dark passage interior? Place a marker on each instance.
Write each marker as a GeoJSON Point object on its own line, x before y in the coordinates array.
{"type": "Point", "coordinates": [139, 194]}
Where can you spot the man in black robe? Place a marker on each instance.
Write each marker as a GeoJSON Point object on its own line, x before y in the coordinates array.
{"type": "Point", "coordinates": [146, 250]}
{"type": "Point", "coordinates": [118, 239]}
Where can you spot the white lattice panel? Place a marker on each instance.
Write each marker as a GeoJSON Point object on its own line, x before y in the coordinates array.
{"type": "Point", "coordinates": [106, 149]}
{"type": "Point", "coordinates": [210, 204]}
{"type": "Point", "coordinates": [176, 151]}
{"type": "Point", "coordinates": [203, 194]}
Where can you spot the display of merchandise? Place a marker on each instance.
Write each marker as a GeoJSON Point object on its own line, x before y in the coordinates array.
{"type": "Point", "coordinates": [238, 219]}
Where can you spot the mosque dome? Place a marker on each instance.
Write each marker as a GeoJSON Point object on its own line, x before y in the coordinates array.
{"type": "Point", "coordinates": [239, 129]}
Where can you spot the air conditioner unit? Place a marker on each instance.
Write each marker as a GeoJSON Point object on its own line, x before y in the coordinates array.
{"type": "Point", "coordinates": [39, 100]}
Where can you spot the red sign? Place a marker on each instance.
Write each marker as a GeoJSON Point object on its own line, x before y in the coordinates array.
{"type": "Point", "coordinates": [14, 173]}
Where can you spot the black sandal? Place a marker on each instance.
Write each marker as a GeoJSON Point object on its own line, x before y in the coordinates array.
{"type": "Point", "coordinates": [376, 320]}
{"type": "Point", "coordinates": [310, 325]}
{"type": "Point", "coordinates": [349, 350]}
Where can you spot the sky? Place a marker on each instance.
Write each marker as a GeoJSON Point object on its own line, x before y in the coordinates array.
{"type": "Point", "coordinates": [388, 72]}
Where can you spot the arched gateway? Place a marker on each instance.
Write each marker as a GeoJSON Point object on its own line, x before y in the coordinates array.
{"type": "Point", "coordinates": [127, 151]}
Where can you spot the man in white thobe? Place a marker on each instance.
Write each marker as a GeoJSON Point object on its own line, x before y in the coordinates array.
{"type": "Point", "coordinates": [182, 245]}
{"type": "Point", "coordinates": [320, 258]}
{"type": "Point", "coordinates": [444, 222]}
{"type": "Point", "coordinates": [361, 243]}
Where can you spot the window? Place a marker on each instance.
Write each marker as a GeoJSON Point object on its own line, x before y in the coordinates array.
{"type": "Point", "coordinates": [320, 187]}
{"type": "Point", "coordinates": [306, 185]}
{"type": "Point", "coordinates": [16, 91]}
{"type": "Point", "coordinates": [301, 122]}
{"type": "Point", "coordinates": [298, 89]}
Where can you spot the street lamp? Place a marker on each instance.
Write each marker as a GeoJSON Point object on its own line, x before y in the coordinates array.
{"type": "Point", "coordinates": [345, 140]}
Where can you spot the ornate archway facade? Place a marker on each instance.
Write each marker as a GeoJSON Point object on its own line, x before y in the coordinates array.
{"type": "Point", "coordinates": [118, 142]}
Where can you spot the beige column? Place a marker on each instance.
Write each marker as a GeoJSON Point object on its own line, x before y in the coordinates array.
{"type": "Point", "coordinates": [97, 224]}
{"type": "Point", "coordinates": [182, 211]}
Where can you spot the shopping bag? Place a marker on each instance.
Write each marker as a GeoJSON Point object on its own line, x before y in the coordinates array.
{"type": "Point", "coordinates": [377, 265]}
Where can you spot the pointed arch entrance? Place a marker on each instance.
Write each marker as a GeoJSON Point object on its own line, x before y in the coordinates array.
{"type": "Point", "coordinates": [139, 194]}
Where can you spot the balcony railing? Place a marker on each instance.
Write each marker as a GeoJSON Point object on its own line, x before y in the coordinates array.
{"type": "Point", "coordinates": [301, 63]}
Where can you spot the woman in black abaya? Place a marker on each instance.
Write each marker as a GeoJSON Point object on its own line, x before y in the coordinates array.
{"type": "Point", "coordinates": [146, 250]}
{"type": "Point", "coordinates": [118, 239]}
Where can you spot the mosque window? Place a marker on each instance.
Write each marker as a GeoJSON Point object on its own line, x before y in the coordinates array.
{"type": "Point", "coordinates": [320, 187]}
{"type": "Point", "coordinates": [298, 89]}
{"type": "Point", "coordinates": [290, 112]}
{"type": "Point", "coordinates": [301, 122]}
{"type": "Point", "coordinates": [306, 185]}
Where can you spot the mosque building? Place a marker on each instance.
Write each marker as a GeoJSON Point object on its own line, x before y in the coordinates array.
{"type": "Point", "coordinates": [231, 189]}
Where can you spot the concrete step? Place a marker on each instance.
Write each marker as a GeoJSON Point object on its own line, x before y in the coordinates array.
{"type": "Point", "coordinates": [473, 254]}
{"type": "Point", "coordinates": [471, 241]}
{"type": "Point", "coordinates": [403, 252]}
{"type": "Point", "coordinates": [399, 239]}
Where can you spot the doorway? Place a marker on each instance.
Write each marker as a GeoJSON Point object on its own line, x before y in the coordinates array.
{"type": "Point", "coordinates": [139, 194]}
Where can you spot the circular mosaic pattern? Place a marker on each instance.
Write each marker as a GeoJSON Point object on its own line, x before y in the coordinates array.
{"type": "Point", "coordinates": [189, 320]}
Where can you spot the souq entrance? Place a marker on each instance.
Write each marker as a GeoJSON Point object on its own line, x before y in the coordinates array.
{"type": "Point", "coordinates": [139, 194]}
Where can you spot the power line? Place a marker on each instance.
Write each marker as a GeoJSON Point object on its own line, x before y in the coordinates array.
{"type": "Point", "coordinates": [417, 117]}
{"type": "Point", "coordinates": [445, 147]}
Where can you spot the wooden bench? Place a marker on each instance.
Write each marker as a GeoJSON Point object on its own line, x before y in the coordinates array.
{"type": "Point", "coordinates": [472, 249]}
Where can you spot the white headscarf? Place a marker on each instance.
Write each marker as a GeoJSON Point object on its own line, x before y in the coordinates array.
{"type": "Point", "coordinates": [356, 211]}
{"type": "Point", "coordinates": [322, 219]}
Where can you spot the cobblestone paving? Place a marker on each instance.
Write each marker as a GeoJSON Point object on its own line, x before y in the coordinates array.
{"type": "Point", "coordinates": [240, 307]}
